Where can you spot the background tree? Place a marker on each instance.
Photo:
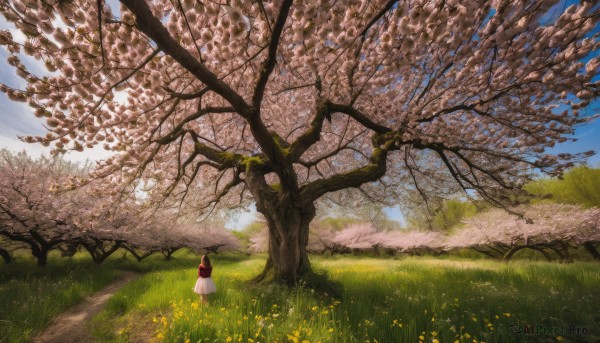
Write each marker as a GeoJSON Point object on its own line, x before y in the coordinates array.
{"type": "Point", "coordinates": [555, 228]}
{"type": "Point", "coordinates": [578, 186]}
{"type": "Point", "coordinates": [30, 211]}
{"type": "Point", "coordinates": [452, 213]}
{"type": "Point", "coordinates": [103, 226]}
{"type": "Point", "coordinates": [286, 102]}
{"type": "Point", "coordinates": [439, 213]}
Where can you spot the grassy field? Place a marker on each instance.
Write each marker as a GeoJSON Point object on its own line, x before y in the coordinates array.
{"type": "Point", "coordinates": [421, 299]}
{"type": "Point", "coordinates": [31, 296]}
{"type": "Point", "coordinates": [384, 300]}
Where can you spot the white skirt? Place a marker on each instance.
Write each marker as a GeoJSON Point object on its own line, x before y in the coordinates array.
{"type": "Point", "coordinates": [205, 285]}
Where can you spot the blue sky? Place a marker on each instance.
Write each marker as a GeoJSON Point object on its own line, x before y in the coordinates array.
{"type": "Point", "coordinates": [17, 119]}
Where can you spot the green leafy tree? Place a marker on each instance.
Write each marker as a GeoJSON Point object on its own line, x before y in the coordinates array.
{"type": "Point", "coordinates": [452, 213]}
{"type": "Point", "coordinates": [580, 186]}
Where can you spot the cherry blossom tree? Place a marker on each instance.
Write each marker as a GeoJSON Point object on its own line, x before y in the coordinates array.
{"type": "Point", "coordinates": [321, 241]}
{"type": "Point", "coordinates": [356, 237]}
{"type": "Point", "coordinates": [35, 212]}
{"type": "Point", "coordinates": [102, 227]}
{"type": "Point", "coordinates": [29, 212]}
{"type": "Point", "coordinates": [367, 237]}
{"type": "Point", "coordinates": [553, 227]}
{"type": "Point", "coordinates": [282, 102]}
{"type": "Point", "coordinates": [199, 237]}
{"type": "Point", "coordinates": [415, 242]}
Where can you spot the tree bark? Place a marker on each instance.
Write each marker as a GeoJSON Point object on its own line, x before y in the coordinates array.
{"type": "Point", "coordinates": [41, 254]}
{"type": "Point", "coordinates": [589, 246]}
{"type": "Point", "coordinates": [168, 252]}
{"type": "Point", "coordinates": [139, 256]}
{"type": "Point", "coordinates": [288, 257]}
{"type": "Point", "coordinates": [288, 216]}
{"type": "Point", "coordinates": [97, 250]}
{"type": "Point", "coordinates": [39, 246]}
{"type": "Point", "coordinates": [67, 250]}
{"type": "Point", "coordinates": [5, 255]}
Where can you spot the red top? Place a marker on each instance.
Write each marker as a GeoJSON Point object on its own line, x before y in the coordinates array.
{"type": "Point", "coordinates": [203, 271]}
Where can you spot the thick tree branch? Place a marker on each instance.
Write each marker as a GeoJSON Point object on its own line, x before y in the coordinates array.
{"type": "Point", "coordinates": [269, 63]}
{"type": "Point", "coordinates": [359, 117]}
{"type": "Point", "coordinates": [153, 28]}
{"type": "Point", "coordinates": [225, 159]}
{"type": "Point", "coordinates": [310, 136]}
{"type": "Point", "coordinates": [171, 136]}
{"type": "Point", "coordinates": [369, 173]}
{"type": "Point", "coordinates": [236, 180]}
{"type": "Point", "coordinates": [187, 96]}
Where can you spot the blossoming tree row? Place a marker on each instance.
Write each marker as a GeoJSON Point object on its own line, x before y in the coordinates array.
{"type": "Point", "coordinates": [35, 214]}
{"type": "Point", "coordinates": [551, 229]}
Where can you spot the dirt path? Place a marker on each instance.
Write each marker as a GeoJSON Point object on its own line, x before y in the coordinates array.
{"type": "Point", "coordinates": [69, 327]}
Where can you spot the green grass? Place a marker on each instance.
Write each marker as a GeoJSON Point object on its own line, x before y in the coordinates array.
{"type": "Point", "coordinates": [30, 296]}
{"type": "Point", "coordinates": [384, 300]}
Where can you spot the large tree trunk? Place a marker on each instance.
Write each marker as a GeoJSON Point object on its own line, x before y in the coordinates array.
{"type": "Point", "coordinates": [288, 256]}
{"type": "Point", "coordinates": [288, 217]}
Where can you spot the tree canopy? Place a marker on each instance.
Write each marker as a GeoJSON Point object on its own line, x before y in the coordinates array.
{"type": "Point", "coordinates": [284, 102]}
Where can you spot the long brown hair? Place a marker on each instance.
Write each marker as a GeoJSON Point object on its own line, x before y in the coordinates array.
{"type": "Point", "coordinates": [205, 261]}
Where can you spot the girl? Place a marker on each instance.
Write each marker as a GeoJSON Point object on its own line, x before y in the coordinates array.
{"type": "Point", "coordinates": [205, 284]}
